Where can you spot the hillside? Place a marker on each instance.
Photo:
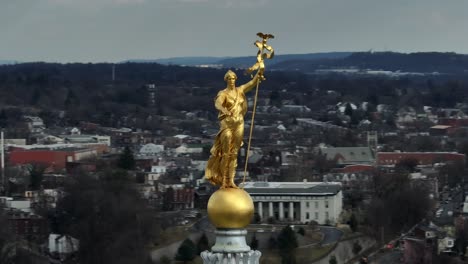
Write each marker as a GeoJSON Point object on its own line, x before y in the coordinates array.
{"type": "Point", "coordinates": [421, 62]}
{"type": "Point", "coordinates": [241, 62]}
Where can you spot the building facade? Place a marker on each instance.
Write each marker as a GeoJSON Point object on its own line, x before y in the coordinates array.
{"type": "Point", "coordinates": [50, 157]}
{"type": "Point", "coordinates": [297, 202]}
{"type": "Point", "coordinates": [423, 158]}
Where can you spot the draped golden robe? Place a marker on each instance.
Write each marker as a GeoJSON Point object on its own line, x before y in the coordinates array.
{"type": "Point", "coordinates": [223, 160]}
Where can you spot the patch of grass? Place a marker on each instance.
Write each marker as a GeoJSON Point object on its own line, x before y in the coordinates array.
{"type": "Point", "coordinates": [303, 255]}
{"type": "Point", "coordinates": [314, 236]}
{"type": "Point", "coordinates": [270, 257]}
{"type": "Point", "coordinates": [306, 255]}
{"type": "Point", "coordinates": [171, 235]}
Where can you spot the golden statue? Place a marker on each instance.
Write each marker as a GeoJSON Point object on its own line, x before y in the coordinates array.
{"type": "Point", "coordinates": [232, 106]}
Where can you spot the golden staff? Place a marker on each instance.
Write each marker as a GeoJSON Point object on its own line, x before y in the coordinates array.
{"type": "Point", "coordinates": [260, 66]}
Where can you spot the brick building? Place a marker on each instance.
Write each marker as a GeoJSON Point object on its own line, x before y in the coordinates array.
{"type": "Point", "coordinates": [56, 158]}
{"type": "Point", "coordinates": [177, 199]}
{"type": "Point", "coordinates": [27, 225]}
{"type": "Point", "coordinates": [423, 158]}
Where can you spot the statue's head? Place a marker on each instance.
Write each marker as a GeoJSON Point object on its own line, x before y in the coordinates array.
{"type": "Point", "coordinates": [230, 75]}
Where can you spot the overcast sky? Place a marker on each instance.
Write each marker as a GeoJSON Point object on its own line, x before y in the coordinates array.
{"type": "Point", "coordinates": [115, 30]}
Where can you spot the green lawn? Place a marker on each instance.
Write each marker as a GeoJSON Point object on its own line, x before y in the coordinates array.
{"type": "Point", "coordinates": [171, 235]}
{"type": "Point", "coordinates": [303, 255]}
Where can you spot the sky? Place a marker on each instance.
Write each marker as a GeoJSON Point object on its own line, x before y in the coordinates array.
{"type": "Point", "coordinates": [116, 30]}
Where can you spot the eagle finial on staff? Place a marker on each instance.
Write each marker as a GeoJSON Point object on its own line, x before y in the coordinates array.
{"type": "Point", "coordinates": [262, 46]}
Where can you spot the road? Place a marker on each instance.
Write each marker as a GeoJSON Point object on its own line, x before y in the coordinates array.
{"type": "Point", "coordinates": [171, 249]}
{"type": "Point", "coordinates": [330, 234]}
{"type": "Point", "coordinates": [389, 257]}
{"type": "Point", "coordinates": [202, 225]}
{"type": "Point", "coordinates": [344, 250]}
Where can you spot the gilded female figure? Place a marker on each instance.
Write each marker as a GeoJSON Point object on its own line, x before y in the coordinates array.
{"type": "Point", "coordinates": [232, 106]}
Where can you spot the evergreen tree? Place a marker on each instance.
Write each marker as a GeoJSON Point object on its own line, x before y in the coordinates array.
{"type": "Point", "coordinates": [3, 119]}
{"type": "Point", "coordinates": [126, 160]}
{"type": "Point", "coordinates": [254, 242]}
{"type": "Point", "coordinates": [301, 231]}
{"type": "Point", "coordinates": [287, 243]}
{"type": "Point", "coordinates": [107, 215]}
{"type": "Point", "coordinates": [187, 251]}
{"type": "Point", "coordinates": [36, 174]}
{"type": "Point", "coordinates": [353, 223]}
{"type": "Point", "coordinates": [348, 110]}
{"type": "Point", "coordinates": [35, 96]}
{"type": "Point", "coordinates": [202, 244]}
{"type": "Point", "coordinates": [165, 260]}
{"type": "Point", "coordinates": [272, 243]}
{"type": "Point", "coordinates": [356, 247]}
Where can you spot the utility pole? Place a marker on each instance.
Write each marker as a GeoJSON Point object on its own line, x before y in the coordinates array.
{"type": "Point", "coordinates": [382, 235]}
{"type": "Point", "coordinates": [2, 143]}
{"type": "Point", "coordinates": [113, 72]}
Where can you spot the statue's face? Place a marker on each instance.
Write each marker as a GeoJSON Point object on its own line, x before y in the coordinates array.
{"type": "Point", "coordinates": [231, 80]}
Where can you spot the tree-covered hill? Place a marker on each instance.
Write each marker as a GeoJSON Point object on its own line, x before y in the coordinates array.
{"type": "Point", "coordinates": [420, 62]}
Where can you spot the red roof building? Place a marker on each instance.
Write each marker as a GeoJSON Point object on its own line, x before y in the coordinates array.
{"type": "Point", "coordinates": [358, 168]}
{"type": "Point", "coordinates": [50, 158]}
{"type": "Point", "coordinates": [423, 158]}
{"type": "Point", "coordinates": [453, 122]}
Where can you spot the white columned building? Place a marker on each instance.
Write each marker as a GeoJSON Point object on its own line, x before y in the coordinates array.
{"type": "Point", "coordinates": [291, 210]}
{"type": "Point", "coordinates": [297, 202]}
{"type": "Point", "coordinates": [270, 209]}
{"type": "Point", "coordinates": [260, 208]}
{"type": "Point", "coordinates": [281, 210]}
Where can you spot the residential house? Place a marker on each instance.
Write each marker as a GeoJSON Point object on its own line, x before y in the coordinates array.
{"type": "Point", "coordinates": [62, 246]}
{"type": "Point", "coordinates": [294, 109]}
{"type": "Point", "coordinates": [15, 141]}
{"type": "Point", "coordinates": [151, 149]}
{"type": "Point", "coordinates": [189, 149]}
{"type": "Point", "coordinates": [176, 198]}
{"type": "Point", "coordinates": [49, 139]}
{"type": "Point", "coordinates": [202, 195]}
{"type": "Point", "coordinates": [34, 123]}
{"type": "Point", "coordinates": [159, 169]}
{"type": "Point", "coordinates": [44, 198]}
{"type": "Point", "coordinates": [22, 205]}
{"type": "Point", "coordinates": [82, 139]}
{"type": "Point", "coordinates": [312, 123]}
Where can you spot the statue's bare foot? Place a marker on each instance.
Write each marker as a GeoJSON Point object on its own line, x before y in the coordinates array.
{"type": "Point", "coordinates": [228, 185]}
{"type": "Point", "coordinates": [233, 185]}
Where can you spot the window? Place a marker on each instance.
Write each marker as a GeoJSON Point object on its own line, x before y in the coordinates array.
{"type": "Point", "coordinates": [307, 204]}
{"type": "Point", "coordinates": [316, 215]}
{"type": "Point", "coordinates": [326, 215]}
{"type": "Point", "coordinates": [316, 205]}
{"type": "Point", "coordinates": [307, 216]}
{"type": "Point", "coordinates": [326, 204]}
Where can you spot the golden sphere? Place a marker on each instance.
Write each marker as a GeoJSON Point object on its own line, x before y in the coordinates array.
{"type": "Point", "coordinates": [230, 208]}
